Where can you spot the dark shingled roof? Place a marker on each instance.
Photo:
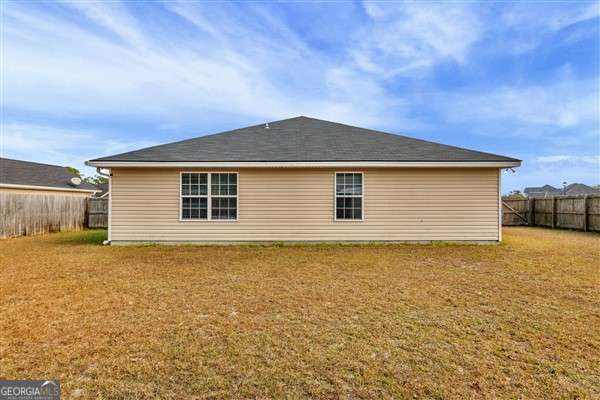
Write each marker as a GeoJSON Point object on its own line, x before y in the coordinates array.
{"type": "Point", "coordinates": [304, 139]}
{"type": "Point", "coordinates": [17, 172]}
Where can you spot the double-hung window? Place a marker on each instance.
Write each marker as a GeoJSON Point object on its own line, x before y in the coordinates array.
{"type": "Point", "coordinates": [223, 196]}
{"type": "Point", "coordinates": [349, 196]}
{"type": "Point", "coordinates": [208, 196]}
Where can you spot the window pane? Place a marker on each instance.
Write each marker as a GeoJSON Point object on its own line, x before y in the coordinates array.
{"type": "Point", "coordinates": [193, 208]}
{"type": "Point", "coordinates": [224, 208]}
{"type": "Point", "coordinates": [185, 178]}
{"type": "Point", "coordinates": [348, 208]}
{"type": "Point", "coordinates": [185, 190]}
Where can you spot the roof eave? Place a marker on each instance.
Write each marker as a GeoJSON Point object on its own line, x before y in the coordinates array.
{"type": "Point", "coordinates": [305, 164]}
{"type": "Point", "coordinates": [55, 188]}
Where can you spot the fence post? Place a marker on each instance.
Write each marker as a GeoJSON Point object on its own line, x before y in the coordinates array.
{"type": "Point", "coordinates": [531, 211]}
{"type": "Point", "coordinates": [585, 213]}
{"type": "Point", "coordinates": [553, 223]}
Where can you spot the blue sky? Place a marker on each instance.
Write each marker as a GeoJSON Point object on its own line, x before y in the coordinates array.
{"type": "Point", "coordinates": [87, 79]}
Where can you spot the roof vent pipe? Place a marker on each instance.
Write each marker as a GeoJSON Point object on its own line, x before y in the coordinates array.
{"type": "Point", "coordinates": [267, 125]}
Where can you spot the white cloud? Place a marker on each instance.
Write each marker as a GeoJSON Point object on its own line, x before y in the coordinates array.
{"type": "Point", "coordinates": [567, 103]}
{"type": "Point", "coordinates": [523, 26]}
{"type": "Point", "coordinates": [245, 65]}
{"type": "Point", "coordinates": [60, 146]}
{"type": "Point", "coordinates": [562, 158]}
{"type": "Point", "coordinates": [112, 16]}
{"type": "Point", "coordinates": [407, 39]}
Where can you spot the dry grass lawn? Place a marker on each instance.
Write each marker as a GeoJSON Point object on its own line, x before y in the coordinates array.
{"type": "Point", "coordinates": [323, 321]}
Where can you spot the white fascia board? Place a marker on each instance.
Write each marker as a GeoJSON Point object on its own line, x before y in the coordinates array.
{"type": "Point", "coordinates": [305, 164]}
{"type": "Point", "coordinates": [13, 186]}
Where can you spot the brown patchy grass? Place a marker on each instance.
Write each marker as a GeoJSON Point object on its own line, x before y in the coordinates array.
{"type": "Point", "coordinates": [323, 321]}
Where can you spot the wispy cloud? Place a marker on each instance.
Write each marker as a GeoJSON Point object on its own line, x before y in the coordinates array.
{"type": "Point", "coordinates": [562, 158]}
{"type": "Point", "coordinates": [262, 70]}
{"type": "Point", "coordinates": [409, 38]}
{"type": "Point", "coordinates": [567, 103]}
{"type": "Point", "coordinates": [59, 146]}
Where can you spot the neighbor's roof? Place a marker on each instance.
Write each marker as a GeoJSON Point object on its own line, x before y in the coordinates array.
{"type": "Point", "coordinates": [27, 173]}
{"type": "Point", "coordinates": [542, 189]}
{"type": "Point", "coordinates": [304, 139]}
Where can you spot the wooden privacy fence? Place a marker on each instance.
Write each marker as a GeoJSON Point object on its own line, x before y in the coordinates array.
{"type": "Point", "coordinates": [570, 212]}
{"type": "Point", "coordinates": [97, 213]}
{"type": "Point", "coordinates": [31, 214]}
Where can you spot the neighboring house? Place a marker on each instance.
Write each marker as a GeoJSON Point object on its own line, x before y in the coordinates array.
{"type": "Point", "coordinates": [574, 189]}
{"type": "Point", "coordinates": [17, 176]}
{"type": "Point", "coordinates": [542, 192]}
{"type": "Point", "coordinates": [304, 179]}
{"type": "Point", "coordinates": [579, 189]}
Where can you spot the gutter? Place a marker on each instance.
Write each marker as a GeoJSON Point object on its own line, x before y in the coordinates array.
{"type": "Point", "coordinates": [305, 164]}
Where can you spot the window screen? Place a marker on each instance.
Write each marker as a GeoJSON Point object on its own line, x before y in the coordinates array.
{"type": "Point", "coordinates": [348, 195]}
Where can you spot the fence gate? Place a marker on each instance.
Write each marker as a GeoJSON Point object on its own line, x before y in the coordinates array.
{"type": "Point", "coordinates": [97, 213]}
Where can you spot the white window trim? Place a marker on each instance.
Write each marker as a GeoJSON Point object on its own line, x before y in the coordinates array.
{"type": "Point", "coordinates": [209, 195]}
{"type": "Point", "coordinates": [335, 196]}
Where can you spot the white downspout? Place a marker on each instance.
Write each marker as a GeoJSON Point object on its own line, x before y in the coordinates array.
{"type": "Point", "coordinates": [109, 176]}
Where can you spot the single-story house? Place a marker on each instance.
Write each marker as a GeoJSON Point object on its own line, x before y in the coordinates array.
{"type": "Point", "coordinates": [17, 176]}
{"type": "Point", "coordinates": [304, 179]}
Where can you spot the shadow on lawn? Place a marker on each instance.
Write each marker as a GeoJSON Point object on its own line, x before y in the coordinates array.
{"type": "Point", "coordinates": [87, 236]}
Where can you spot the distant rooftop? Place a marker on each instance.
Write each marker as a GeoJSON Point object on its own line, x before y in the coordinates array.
{"type": "Point", "coordinates": [27, 173]}
{"type": "Point", "coordinates": [574, 189]}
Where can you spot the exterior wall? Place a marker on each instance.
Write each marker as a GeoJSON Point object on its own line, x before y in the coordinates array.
{"type": "Point", "coordinates": [298, 205]}
{"type": "Point", "coordinates": [45, 192]}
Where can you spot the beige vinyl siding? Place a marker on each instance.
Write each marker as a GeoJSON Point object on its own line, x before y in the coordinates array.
{"type": "Point", "coordinates": [298, 205]}
{"type": "Point", "coordinates": [46, 192]}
